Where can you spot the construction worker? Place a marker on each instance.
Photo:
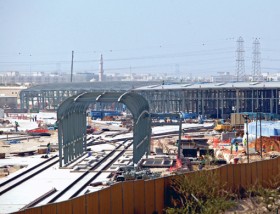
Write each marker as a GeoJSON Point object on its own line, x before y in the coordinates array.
{"type": "Point", "coordinates": [236, 146]}
{"type": "Point", "coordinates": [263, 148]}
{"type": "Point", "coordinates": [272, 147]}
{"type": "Point", "coordinates": [202, 163]}
{"type": "Point", "coordinates": [48, 148]}
{"type": "Point", "coordinates": [16, 126]}
{"type": "Point", "coordinates": [244, 142]}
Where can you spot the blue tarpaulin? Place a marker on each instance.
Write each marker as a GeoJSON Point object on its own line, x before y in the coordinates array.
{"type": "Point", "coordinates": [234, 140]}
{"type": "Point", "coordinates": [268, 128]}
{"type": "Point", "coordinates": [102, 114]}
{"type": "Point", "coordinates": [189, 115]}
{"type": "Point", "coordinates": [13, 141]}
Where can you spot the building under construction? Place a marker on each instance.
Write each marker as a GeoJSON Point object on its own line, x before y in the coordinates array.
{"type": "Point", "coordinates": [210, 99]}
{"type": "Point", "coordinates": [214, 99]}
{"type": "Point", "coordinates": [50, 96]}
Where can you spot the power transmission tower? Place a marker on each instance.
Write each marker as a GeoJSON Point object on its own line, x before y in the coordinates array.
{"type": "Point", "coordinates": [256, 63]}
{"type": "Point", "coordinates": [240, 62]}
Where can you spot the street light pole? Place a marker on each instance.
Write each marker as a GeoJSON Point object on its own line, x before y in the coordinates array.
{"type": "Point", "coordinates": [179, 141]}
{"type": "Point", "coordinates": [261, 132]}
{"type": "Point", "coordinates": [246, 117]}
{"type": "Point", "coordinates": [247, 140]}
{"type": "Point", "coordinates": [256, 130]}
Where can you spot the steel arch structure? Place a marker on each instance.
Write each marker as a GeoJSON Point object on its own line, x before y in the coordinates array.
{"type": "Point", "coordinates": [71, 118]}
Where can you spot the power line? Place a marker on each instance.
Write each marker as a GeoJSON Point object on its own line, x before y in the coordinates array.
{"type": "Point", "coordinates": [150, 57]}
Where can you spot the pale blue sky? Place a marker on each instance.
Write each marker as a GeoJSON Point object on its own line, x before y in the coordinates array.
{"type": "Point", "coordinates": [148, 36]}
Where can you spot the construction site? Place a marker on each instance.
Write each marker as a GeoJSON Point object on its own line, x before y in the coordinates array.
{"type": "Point", "coordinates": [95, 140]}
{"type": "Point", "coordinates": [30, 152]}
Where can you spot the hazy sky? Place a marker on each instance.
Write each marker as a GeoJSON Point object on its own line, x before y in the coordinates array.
{"type": "Point", "coordinates": [146, 36]}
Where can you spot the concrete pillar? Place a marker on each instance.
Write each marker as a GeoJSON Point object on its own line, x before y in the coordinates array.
{"type": "Point", "coordinates": [237, 101]}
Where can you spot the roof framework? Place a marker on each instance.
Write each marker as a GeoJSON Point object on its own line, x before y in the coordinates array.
{"type": "Point", "coordinates": [71, 116]}
{"type": "Point", "coordinates": [90, 86]}
{"type": "Point", "coordinates": [214, 100]}
{"type": "Point", "coordinates": [50, 96]}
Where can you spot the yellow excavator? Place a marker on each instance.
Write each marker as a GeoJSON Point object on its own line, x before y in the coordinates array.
{"type": "Point", "coordinates": [221, 125]}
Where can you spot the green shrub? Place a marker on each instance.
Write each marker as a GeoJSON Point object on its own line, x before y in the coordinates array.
{"type": "Point", "coordinates": [266, 197]}
{"type": "Point", "coordinates": [199, 193]}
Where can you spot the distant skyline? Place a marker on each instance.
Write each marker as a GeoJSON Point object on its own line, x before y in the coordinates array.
{"type": "Point", "coordinates": [179, 37]}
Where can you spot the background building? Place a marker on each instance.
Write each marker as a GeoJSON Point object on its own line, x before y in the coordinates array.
{"type": "Point", "coordinates": [209, 99]}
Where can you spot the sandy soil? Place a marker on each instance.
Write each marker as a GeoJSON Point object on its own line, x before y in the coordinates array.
{"type": "Point", "coordinates": [27, 145]}
{"type": "Point", "coordinates": [34, 144]}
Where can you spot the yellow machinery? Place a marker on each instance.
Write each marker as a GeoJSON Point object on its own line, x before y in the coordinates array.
{"type": "Point", "coordinates": [221, 126]}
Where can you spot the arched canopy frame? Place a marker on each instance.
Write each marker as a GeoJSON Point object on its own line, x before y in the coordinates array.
{"type": "Point", "coordinates": [71, 117]}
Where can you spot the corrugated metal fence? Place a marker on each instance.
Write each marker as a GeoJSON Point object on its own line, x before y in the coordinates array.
{"type": "Point", "coordinates": [151, 196]}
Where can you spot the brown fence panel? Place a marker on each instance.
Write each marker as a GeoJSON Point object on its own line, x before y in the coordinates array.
{"type": "Point", "coordinates": [269, 169]}
{"type": "Point", "coordinates": [79, 205]}
{"type": "Point", "coordinates": [236, 176]}
{"type": "Point", "coordinates": [266, 176]}
{"type": "Point", "coordinates": [274, 164]}
{"type": "Point", "coordinates": [153, 195]}
{"type": "Point", "coordinates": [223, 176]}
{"type": "Point", "coordinates": [254, 176]}
{"type": "Point", "coordinates": [35, 210]}
{"type": "Point", "coordinates": [128, 197]}
{"type": "Point", "coordinates": [104, 201]}
{"type": "Point", "coordinates": [64, 207]}
{"type": "Point", "coordinates": [20, 212]}
{"type": "Point", "coordinates": [116, 198]}
{"type": "Point", "coordinates": [278, 164]}
{"type": "Point", "coordinates": [248, 169]}
{"type": "Point", "coordinates": [92, 201]}
{"type": "Point", "coordinates": [216, 172]}
{"type": "Point", "coordinates": [159, 195]}
{"type": "Point", "coordinates": [243, 175]}
{"type": "Point", "coordinates": [230, 180]}
{"type": "Point", "coordinates": [259, 171]}
{"type": "Point", "coordinates": [139, 197]}
{"type": "Point", "coordinates": [218, 175]}
{"type": "Point", "coordinates": [49, 209]}
{"type": "Point", "coordinates": [167, 191]}
{"type": "Point", "coordinates": [149, 196]}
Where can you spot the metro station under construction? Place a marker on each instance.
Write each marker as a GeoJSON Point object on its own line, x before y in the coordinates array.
{"type": "Point", "coordinates": [83, 172]}
{"type": "Point", "coordinates": [214, 100]}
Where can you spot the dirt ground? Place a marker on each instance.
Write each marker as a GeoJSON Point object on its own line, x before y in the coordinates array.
{"type": "Point", "coordinates": [31, 144]}
{"type": "Point", "coordinates": [267, 143]}
{"type": "Point", "coordinates": [28, 144]}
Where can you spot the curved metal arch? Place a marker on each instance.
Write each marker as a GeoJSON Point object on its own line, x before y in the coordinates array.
{"type": "Point", "coordinates": [71, 116]}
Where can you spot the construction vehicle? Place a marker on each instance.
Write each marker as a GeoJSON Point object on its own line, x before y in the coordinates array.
{"type": "Point", "coordinates": [221, 125]}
